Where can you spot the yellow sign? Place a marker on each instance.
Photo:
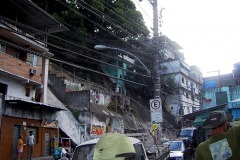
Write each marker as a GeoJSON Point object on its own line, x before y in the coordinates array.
{"type": "Point", "coordinates": [155, 127]}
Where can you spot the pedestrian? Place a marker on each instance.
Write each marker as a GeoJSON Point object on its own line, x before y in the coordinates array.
{"type": "Point", "coordinates": [223, 143]}
{"type": "Point", "coordinates": [20, 147]}
{"type": "Point", "coordinates": [30, 143]}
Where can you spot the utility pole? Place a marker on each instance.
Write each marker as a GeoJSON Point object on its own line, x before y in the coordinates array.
{"type": "Point", "coordinates": [156, 114]}
{"type": "Point", "coordinates": [157, 83]}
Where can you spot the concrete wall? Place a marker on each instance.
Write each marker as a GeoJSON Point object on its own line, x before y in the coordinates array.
{"type": "Point", "coordinates": [57, 86]}
{"type": "Point", "coordinates": [16, 88]}
{"type": "Point", "coordinates": [78, 100]}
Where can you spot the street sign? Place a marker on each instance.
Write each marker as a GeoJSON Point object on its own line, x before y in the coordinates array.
{"type": "Point", "coordinates": [156, 110]}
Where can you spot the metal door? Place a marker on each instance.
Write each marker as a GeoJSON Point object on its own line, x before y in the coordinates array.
{"type": "Point", "coordinates": [47, 144]}
{"type": "Point", "coordinates": [16, 134]}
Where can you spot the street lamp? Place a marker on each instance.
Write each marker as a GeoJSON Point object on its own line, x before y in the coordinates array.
{"type": "Point", "coordinates": [103, 47]}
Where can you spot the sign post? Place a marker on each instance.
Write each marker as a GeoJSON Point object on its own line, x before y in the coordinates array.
{"type": "Point", "coordinates": [156, 117]}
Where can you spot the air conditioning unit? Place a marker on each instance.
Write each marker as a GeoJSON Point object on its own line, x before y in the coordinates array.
{"type": "Point", "coordinates": [32, 72]}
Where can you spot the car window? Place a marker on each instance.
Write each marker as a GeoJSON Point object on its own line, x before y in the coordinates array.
{"type": "Point", "coordinates": [140, 155]}
{"type": "Point", "coordinates": [84, 152]}
{"type": "Point", "coordinates": [175, 146]}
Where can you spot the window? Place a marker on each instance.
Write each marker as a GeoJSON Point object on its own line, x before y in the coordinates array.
{"type": "Point", "coordinates": [27, 92]}
{"type": "Point", "coordinates": [182, 79]}
{"type": "Point", "coordinates": [33, 59]}
{"type": "Point", "coordinates": [192, 97]}
{"type": "Point", "coordinates": [84, 151]}
{"type": "Point", "coordinates": [192, 85]}
{"type": "Point", "coordinates": [3, 48]}
{"type": "Point", "coordinates": [16, 54]}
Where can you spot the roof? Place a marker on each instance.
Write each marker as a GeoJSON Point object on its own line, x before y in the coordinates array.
{"type": "Point", "coordinates": [29, 103]}
{"type": "Point", "coordinates": [29, 14]}
{"type": "Point", "coordinates": [189, 128]}
{"type": "Point", "coordinates": [193, 115]}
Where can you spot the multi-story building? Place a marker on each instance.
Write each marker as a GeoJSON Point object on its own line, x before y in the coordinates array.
{"type": "Point", "coordinates": [185, 94]}
{"type": "Point", "coordinates": [222, 90]}
{"type": "Point", "coordinates": [23, 79]}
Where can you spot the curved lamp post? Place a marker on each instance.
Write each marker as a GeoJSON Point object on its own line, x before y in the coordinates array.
{"type": "Point", "coordinates": [103, 47]}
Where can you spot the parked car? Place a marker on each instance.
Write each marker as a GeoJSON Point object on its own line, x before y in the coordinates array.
{"type": "Point", "coordinates": [179, 150]}
{"type": "Point", "coordinates": [189, 135]}
{"type": "Point", "coordinates": [85, 151]}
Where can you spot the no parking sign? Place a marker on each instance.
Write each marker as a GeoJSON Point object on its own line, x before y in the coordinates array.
{"type": "Point", "coordinates": [156, 110]}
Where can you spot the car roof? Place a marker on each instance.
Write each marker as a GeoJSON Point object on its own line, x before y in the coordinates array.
{"type": "Point", "coordinates": [189, 128]}
{"type": "Point", "coordinates": [177, 140]}
{"type": "Point", "coordinates": [94, 141]}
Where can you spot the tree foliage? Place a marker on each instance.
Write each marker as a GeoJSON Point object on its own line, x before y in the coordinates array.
{"type": "Point", "coordinates": [109, 19]}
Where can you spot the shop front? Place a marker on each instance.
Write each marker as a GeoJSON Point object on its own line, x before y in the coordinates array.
{"type": "Point", "coordinates": [20, 117]}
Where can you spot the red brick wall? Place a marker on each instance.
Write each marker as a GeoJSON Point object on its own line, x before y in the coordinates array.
{"type": "Point", "coordinates": [6, 137]}
{"type": "Point", "coordinates": [21, 68]}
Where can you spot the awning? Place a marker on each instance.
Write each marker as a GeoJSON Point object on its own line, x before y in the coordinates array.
{"type": "Point", "coordinates": [32, 104]}
{"type": "Point", "coordinates": [29, 14]}
{"type": "Point", "coordinates": [234, 104]}
{"type": "Point", "coordinates": [199, 120]}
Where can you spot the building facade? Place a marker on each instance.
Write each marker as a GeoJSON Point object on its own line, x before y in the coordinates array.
{"type": "Point", "coordinates": [186, 90]}
{"type": "Point", "coordinates": [23, 81]}
{"type": "Point", "coordinates": [223, 89]}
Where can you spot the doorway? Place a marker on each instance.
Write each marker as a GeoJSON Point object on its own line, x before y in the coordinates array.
{"type": "Point", "coordinates": [16, 133]}
{"type": "Point", "coordinates": [47, 146]}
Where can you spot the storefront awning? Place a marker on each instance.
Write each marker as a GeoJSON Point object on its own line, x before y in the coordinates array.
{"type": "Point", "coordinates": [234, 104]}
{"type": "Point", "coordinates": [199, 120]}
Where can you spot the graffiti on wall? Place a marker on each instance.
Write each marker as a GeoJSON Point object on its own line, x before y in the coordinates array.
{"type": "Point", "coordinates": [70, 86]}
{"type": "Point", "coordinates": [100, 99]}
{"type": "Point", "coordinates": [97, 129]}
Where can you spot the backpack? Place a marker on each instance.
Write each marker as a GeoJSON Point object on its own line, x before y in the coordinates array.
{"type": "Point", "coordinates": [57, 153]}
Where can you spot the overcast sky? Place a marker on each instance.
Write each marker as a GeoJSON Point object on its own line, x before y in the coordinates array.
{"type": "Point", "coordinates": [207, 30]}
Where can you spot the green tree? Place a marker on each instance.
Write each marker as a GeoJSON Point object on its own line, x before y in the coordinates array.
{"type": "Point", "coordinates": [107, 19]}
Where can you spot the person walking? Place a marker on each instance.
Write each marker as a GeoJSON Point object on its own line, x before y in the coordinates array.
{"type": "Point", "coordinates": [223, 143]}
{"type": "Point", "coordinates": [30, 143]}
{"type": "Point", "coordinates": [20, 147]}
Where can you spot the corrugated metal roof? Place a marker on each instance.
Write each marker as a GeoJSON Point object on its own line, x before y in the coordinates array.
{"type": "Point", "coordinates": [29, 14]}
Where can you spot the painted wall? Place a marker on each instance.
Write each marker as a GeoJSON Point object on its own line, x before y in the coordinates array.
{"type": "Point", "coordinates": [16, 88]}
{"type": "Point", "coordinates": [6, 140]}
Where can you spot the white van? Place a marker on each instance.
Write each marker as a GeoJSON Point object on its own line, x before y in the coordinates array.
{"type": "Point", "coordinates": [85, 151]}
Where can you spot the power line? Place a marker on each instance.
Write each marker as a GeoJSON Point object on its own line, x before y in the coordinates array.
{"type": "Point", "coordinates": [99, 25]}
{"type": "Point", "coordinates": [83, 47]}
{"type": "Point", "coordinates": [143, 10]}
{"type": "Point", "coordinates": [120, 15]}
{"type": "Point", "coordinates": [84, 68]}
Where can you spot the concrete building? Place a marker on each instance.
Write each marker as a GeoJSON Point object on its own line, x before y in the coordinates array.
{"type": "Point", "coordinates": [23, 79]}
{"type": "Point", "coordinates": [223, 89]}
{"type": "Point", "coordinates": [184, 97]}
